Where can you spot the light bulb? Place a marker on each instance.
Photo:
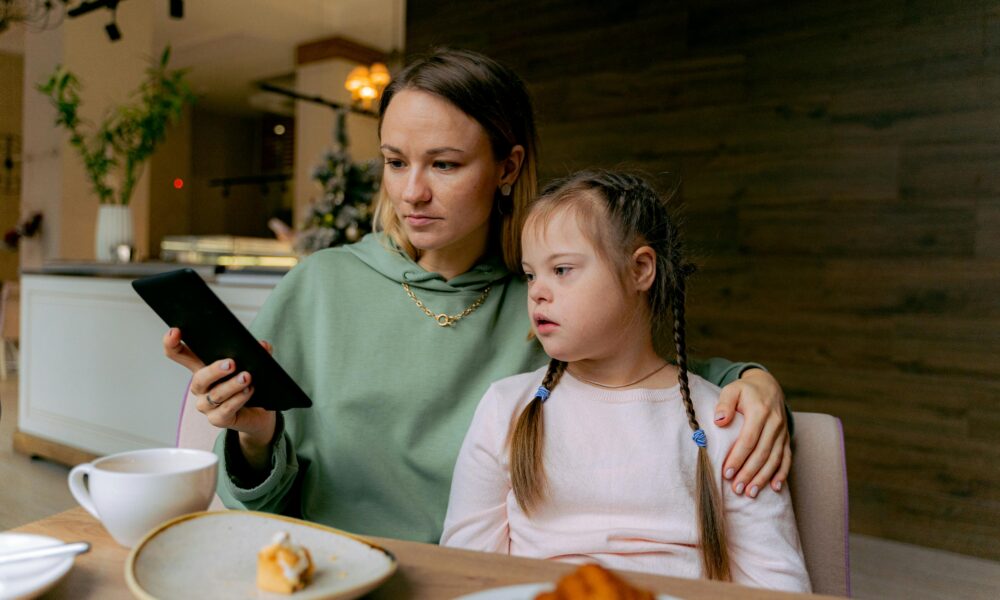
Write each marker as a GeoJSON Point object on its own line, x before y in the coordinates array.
{"type": "Point", "coordinates": [357, 78]}
{"type": "Point", "coordinates": [379, 75]}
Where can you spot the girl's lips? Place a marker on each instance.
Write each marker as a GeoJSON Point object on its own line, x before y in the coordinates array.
{"type": "Point", "coordinates": [420, 220]}
{"type": "Point", "coordinates": [543, 326]}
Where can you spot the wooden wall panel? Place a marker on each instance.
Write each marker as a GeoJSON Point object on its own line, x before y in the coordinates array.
{"type": "Point", "coordinates": [841, 193]}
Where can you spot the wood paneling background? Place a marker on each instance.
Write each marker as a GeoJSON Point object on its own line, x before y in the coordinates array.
{"type": "Point", "coordinates": [841, 168]}
{"type": "Point", "coordinates": [11, 76]}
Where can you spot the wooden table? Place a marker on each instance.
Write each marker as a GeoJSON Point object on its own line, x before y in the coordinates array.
{"type": "Point", "coordinates": [426, 572]}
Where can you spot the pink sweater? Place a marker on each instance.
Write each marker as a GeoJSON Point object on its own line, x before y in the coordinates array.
{"type": "Point", "coordinates": [621, 480]}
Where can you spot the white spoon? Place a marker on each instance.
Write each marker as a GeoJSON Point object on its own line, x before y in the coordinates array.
{"type": "Point", "coordinates": [45, 552]}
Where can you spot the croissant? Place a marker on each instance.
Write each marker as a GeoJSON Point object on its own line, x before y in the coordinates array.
{"type": "Point", "coordinates": [594, 582]}
{"type": "Point", "coordinates": [283, 567]}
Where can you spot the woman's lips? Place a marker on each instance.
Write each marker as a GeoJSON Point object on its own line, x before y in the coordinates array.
{"type": "Point", "coordinates": [420, 220]}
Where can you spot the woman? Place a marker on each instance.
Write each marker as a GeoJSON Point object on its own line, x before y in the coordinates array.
{"type": "Point", "coordinates": [396, 338]}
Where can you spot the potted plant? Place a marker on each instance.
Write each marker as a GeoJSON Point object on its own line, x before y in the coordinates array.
{"type": "Point", "coordinates": [115, 151]}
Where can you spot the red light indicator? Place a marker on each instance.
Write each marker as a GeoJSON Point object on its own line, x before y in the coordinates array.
{"type": "Point", "coordinates": [178, 183]}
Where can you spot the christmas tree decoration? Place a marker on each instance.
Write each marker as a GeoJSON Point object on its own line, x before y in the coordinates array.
{"type": "Point", "coordinates": [343, 212]}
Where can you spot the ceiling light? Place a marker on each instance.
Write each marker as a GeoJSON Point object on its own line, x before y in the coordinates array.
{"type": "Point", "coordinates": [366, 83]}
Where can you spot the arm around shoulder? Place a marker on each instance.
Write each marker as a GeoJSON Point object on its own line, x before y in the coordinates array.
{"type": "Point", "coordinates": [720, 371]}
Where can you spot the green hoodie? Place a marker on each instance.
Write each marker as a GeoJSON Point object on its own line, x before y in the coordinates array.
{"type": "Point", "coordinates": [393, 393]}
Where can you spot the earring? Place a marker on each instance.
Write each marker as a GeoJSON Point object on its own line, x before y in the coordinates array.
{"type": "Point", "coordinates": [505, 189]}
{"type": "Point", "coordinates": [501, 208]}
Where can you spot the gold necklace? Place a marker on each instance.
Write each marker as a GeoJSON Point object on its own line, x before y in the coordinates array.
{"type": "Point", "coordinates": [615, 387]}
{"type": "Point", "coordinates": [443, 319]}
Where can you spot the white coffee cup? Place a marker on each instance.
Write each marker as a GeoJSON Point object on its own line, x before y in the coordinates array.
{"type": "Point", "coordinates": [131, 492]}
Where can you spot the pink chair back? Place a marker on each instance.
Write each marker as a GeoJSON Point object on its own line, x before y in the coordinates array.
{"type": "Point", "coordinates": [818, 483]}
{"type": "Point", "coordinates": [194, 431]}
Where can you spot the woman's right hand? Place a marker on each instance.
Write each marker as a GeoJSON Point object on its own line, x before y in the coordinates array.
{"type": "Point", "coordinates": [223, 403]}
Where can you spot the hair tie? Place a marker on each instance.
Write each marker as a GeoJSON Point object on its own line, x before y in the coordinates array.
{"type": "Point", "coordinates": [543, 393]}
{"type": "Point", "coordinates": [699, 438]}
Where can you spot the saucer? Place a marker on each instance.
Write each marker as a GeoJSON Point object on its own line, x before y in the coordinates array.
{"type": "Point", "coordinates": [30, 578]}
{"type": "Point", "coordinates": [214, 555]}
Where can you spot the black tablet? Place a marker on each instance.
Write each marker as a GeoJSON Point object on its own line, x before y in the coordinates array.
{"type": "Point", "coordinates": [212, 331]}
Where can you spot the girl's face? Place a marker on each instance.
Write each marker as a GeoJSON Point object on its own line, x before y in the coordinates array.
{"type": "Point", "coordinates": [578, 304]}
{"type": "Point", "coordinates": [440, 173]}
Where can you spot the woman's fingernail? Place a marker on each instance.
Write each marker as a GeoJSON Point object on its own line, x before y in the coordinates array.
{"type": "Point", "coordinates": [777, 487]}
{"type": "Point", "coordinates": [720, 416]}
{"type": "Point", "coordinates": [739, 488]}
{"type": "Point", "coordinates": [243, 377]}
{"type": "Point", "coordinates": [730, 472]}
{"type": "Point", "coordinates": [753, 491]}
{"type": "Point", "coordinates": [248, 389]}
{"type": "Point", "coordinates": [225, 365]}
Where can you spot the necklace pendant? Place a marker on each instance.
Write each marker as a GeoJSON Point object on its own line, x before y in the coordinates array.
{"type": "Point", "coordinates": [444, 320]}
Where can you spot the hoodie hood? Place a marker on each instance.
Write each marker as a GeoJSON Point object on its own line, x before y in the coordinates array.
{"type": "Point", "coordinates": [380, 253]}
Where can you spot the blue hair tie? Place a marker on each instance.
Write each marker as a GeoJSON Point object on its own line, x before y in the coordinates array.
{"type": "Point", "coordinates": [543, 393]}
{"type": "Point", "coordinates": [699, 438]}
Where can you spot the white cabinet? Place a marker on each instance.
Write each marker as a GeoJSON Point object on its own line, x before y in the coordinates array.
{"type": "Point", "coordinates": [92, 371]}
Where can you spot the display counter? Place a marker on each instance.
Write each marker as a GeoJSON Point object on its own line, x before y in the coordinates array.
{"type": "Point", "coordinates": [93, 376]}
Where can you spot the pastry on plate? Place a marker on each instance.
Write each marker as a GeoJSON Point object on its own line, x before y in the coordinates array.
{"type": "Point", "coordinates": [283, 567]}
{"type": "Point", "coordinates": [594, 582]}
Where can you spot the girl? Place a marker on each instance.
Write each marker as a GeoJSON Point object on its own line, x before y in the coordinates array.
{"type": "Point", "coordinates": [604, 455]}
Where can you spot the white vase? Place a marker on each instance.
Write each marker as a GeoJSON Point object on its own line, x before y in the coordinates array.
{"type": "Point", "coordinates": [114, 229]}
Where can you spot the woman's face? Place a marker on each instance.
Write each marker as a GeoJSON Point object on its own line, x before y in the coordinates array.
{"type": "Point", "coordinates": [440, 174]}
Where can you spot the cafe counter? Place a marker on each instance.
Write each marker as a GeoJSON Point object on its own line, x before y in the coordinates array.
{"type": "Point", "coordinates": [93, 378]}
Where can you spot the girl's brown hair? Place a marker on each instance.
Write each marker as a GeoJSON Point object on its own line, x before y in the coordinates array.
{"type": "Point", "coordinates": [621, 213]}
{"type": "Point", "coordinates": [497, 99]}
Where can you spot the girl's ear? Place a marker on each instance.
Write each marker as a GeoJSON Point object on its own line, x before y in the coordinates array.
{"type": "Point", "coordinates": [643, 268]}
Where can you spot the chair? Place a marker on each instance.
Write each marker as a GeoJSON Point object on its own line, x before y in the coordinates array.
{"type": "Point", "coordinates": [818, 483]}
{"type": "Point", "coordinates": [10, 315]}
{"type": "Point", "coordinates": [194, 431]}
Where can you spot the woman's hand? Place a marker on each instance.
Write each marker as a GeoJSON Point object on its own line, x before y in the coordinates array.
{"type": "Point", "coordinates": [223, 402]}
{"type": "Point", "coordinates": [762, 452]}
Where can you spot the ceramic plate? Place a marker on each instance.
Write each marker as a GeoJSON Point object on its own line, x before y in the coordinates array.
{"type": "Point", "coordinates": [526, 591]}
{"type": "Point", "coordinates": [214, 555]}
{"type": "Point", "coordinates": [32, 577]}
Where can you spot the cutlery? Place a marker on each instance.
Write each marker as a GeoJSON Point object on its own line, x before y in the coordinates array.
{"type": "Point", "coordinates": [45, 552]}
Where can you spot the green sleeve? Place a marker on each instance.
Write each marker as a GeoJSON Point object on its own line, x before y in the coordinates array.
{"type": "Point", "coordinates": [720, 371]}
{"type": "Point", "coordinates": [240, 490]}
{"type": "Point", "coordinates": [238, 486]}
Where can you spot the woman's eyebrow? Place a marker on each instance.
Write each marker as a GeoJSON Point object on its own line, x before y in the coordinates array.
{"type": "Point", "coordinates": [431, 152]}
{"type": "Point", "coordinates": [443, 149]}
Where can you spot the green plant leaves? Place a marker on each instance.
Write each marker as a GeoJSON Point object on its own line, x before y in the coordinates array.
{"type": "Point", "coordinates": [128, 134]}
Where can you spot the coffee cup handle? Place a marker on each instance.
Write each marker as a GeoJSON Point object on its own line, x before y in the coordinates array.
{"type": "Point", "coordinates": [79, 489]}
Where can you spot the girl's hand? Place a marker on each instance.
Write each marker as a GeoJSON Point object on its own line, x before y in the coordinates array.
{"type": "Point", "coordinates": [223, 402]}
{"type": "Point", "coordinates": [762, 453]}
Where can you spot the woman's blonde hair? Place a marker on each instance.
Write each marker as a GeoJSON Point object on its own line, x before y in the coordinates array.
{"type": "Point", "coordinates": [621, 212]}
{"type": "Point", "coordinates": [497, 99]}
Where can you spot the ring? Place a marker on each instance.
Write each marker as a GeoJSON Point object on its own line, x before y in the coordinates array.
{"type": "Point", "coordinates": [212, 402]}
